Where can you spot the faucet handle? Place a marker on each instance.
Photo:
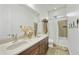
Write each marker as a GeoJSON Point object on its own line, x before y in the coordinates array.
{"type": "Point", "coordinates": [11, 35]}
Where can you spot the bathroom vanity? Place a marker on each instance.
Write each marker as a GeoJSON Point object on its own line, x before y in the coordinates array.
{"type": "Point", "coordinates": [34, 46]}
{"type": "Point", "coordinates": [39, 48]}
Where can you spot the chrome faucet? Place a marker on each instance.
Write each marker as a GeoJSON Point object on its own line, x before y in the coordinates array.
{"type": "Point", "coordinates": [14, 37]}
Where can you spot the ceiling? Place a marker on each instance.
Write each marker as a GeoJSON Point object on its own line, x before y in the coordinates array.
{"type": "Point", "coordinates": [43, 9]}
{"type": "Point", "coordinates": [47, 7]}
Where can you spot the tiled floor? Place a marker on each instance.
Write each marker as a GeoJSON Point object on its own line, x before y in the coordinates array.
{"type": "Point", "coordinates": [58, 51]}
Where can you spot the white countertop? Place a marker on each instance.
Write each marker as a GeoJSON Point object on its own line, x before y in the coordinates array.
{"type": "Point", "coordinates": [8, 49]}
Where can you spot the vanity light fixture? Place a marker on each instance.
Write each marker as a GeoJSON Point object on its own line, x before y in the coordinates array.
{"type": "Point", "coordinates": [77, 22]}
{"type": "Point", "coordinates": [74, 24]}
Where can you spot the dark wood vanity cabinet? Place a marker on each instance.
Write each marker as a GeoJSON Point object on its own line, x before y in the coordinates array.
{"type": "Point", "coordinates": [44, 46]}
{"type": "Point", "coordinates": [39, 48]}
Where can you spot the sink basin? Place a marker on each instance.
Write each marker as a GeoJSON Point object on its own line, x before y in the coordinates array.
{"type": "Point", "coordinates": [16, 45]}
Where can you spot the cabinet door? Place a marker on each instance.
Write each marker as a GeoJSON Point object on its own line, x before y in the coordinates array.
{"type": "Point", "coordinates": [44, 46]}
{"type": "Point", "coordinates": [35, 51]}
{"type": "Point", "coordinates": [42, 49]}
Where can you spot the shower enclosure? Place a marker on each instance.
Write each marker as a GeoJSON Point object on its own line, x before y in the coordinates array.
{"type": "Point", "coordinates": [58, 31]}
